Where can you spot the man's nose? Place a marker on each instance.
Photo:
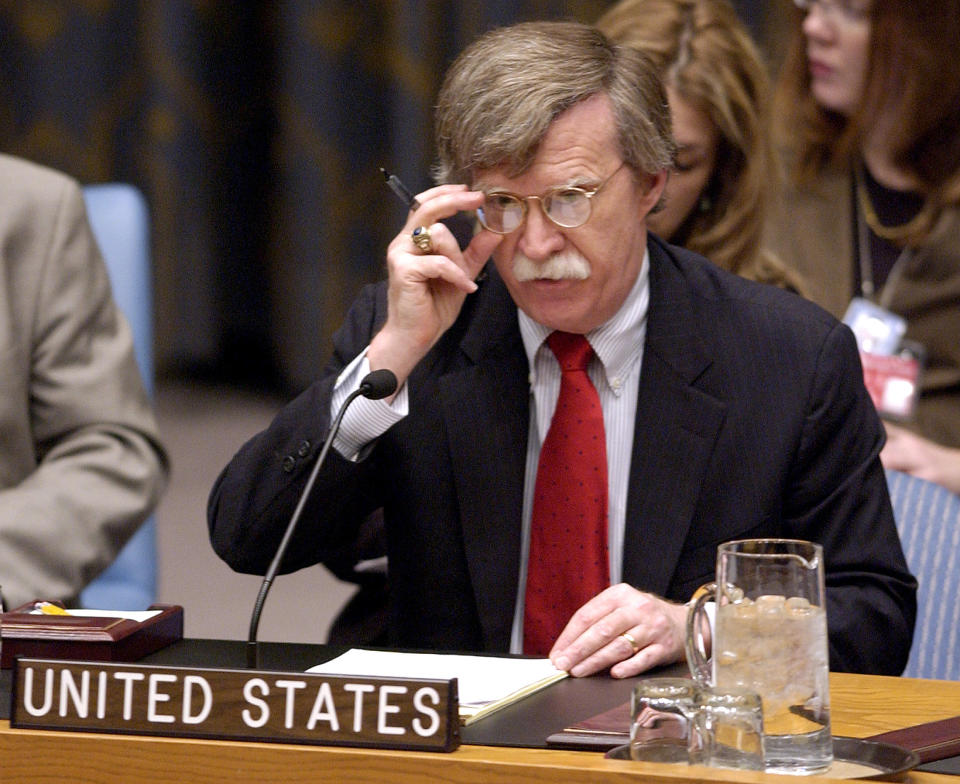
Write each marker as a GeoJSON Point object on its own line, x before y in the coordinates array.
{"type": "Point", "coordinates": [540, 237]}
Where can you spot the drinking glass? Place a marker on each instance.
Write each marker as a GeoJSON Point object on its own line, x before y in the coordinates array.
{"type": "Point", "coordinates": [660, 711]}
{"type": "Point", "coordinates": [727, 729]}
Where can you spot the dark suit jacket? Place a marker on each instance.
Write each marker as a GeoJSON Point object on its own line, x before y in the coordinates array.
{"type": "Point", "coordinates": [752, 421]}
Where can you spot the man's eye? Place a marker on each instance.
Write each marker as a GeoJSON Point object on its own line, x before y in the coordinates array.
{"type": "Point", "coordinates": [567, 196]}
{"type": "Point", "coordinates": [501, 202]}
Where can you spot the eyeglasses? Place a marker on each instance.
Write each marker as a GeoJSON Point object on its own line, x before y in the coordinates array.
{"type": "Point", "coordinates": [567, 207]}
{"type": "Point", "coordinates": [838, 11]}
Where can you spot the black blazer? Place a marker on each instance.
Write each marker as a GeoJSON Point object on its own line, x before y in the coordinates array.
{"type": "Point", "coordinates": [752, 421]}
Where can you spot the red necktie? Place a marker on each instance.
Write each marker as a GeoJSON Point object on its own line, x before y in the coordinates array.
{"type": "Point", "coordinates": [568, 532]}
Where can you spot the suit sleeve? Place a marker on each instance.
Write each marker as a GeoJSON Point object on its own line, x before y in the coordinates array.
{"type": "Point", "coordinates": [840, 499]}
{"type": "Point", "coordinates": [257, 492]}
{"type": "Point", "coordinates": [91, 468]}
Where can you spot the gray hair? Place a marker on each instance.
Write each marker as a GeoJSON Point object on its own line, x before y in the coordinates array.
{"type": "Point", "coordinates": [501, 94]}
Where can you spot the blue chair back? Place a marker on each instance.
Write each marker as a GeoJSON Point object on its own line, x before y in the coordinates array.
{"type": "Point", "coordinates": [928, 520]}
{"type": "Point", "coordinates": [121, 224]}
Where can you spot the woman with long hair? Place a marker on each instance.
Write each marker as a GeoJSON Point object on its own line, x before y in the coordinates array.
{"type": "Point", "coordinates": [718, 90]}
{"type": "Point", "coordinates": [868, 116]}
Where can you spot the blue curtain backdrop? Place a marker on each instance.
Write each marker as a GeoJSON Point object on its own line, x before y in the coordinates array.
{"type": "Point", "coordinates": [256, 130]}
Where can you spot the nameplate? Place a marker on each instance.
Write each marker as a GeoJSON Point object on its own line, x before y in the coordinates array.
{"type": "Point", "coordinates": [253, 705]}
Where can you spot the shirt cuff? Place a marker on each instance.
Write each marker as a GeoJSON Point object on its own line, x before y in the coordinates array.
{"type": "Point", "coordinates": [365, 420]}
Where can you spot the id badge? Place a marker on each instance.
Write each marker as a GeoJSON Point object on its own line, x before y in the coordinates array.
{"type": "Point", "coordinates": [893, 381]}
{"type": "Point", "coordinates": [892, 366]}
{"type": "Point", "coordinates": [878, 331]}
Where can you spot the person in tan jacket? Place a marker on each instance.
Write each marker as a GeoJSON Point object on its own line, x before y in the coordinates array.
{"type": "Point", "coordinates": [81, 464]}
{"type": "Point", "coordinates": [869, 122]}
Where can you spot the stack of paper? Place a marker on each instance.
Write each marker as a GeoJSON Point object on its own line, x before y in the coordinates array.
{"type": "Point", "coordinates": [485, 683]}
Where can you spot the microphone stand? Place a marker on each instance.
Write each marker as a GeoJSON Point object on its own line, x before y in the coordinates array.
{"type": "Point", "coordinates": [375, 385]}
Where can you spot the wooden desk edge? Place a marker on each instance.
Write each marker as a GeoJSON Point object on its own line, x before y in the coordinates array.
{"type": "Point", "coordinates": [109, 759]}
{"type": "Point", "coordinates": [862, 705]}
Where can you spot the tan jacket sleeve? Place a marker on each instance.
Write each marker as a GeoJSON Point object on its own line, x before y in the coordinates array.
{"type": "Point", "coordinates": [81, 464]}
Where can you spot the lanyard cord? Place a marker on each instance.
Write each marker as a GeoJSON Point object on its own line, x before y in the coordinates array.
{"type": "Point", "coordinates": [864, 257]}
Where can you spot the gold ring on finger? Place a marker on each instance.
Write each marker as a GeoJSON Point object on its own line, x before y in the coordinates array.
{"type": "Point", "coordinates": [632, 641]}
{"type": "Point", "coordinates": [421, 238]}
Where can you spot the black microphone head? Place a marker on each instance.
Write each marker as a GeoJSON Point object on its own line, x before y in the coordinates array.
{"type": "Point", "coordinates": [378, 384]}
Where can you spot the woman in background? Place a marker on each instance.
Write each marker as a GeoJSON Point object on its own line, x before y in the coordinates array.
{"type": "Point", "coordinates": [718, 91]}
{"type": "Point", "coordinates": [868, 111]}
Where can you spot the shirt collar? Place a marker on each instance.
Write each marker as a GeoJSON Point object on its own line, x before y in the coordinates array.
{"type": "Point", "coordinates": [618, 342]}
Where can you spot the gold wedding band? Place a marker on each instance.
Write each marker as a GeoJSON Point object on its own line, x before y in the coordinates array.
{"type": "Point", "coordinates": [630, 639]}
{"type": "Point", "coordinates": [421, 238]}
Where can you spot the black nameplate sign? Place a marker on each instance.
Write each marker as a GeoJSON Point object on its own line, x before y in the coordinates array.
{"type": "Point", "coordinates": [281, 707]}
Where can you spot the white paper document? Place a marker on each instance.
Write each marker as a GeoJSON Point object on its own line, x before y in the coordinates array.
{"type": "Point", "coordinates": [485, 683]}
{"type": "Point", "coordinates": [131, 615]}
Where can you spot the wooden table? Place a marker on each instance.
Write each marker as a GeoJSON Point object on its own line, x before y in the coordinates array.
{"type": "Point", "coordinates": [862, 705]}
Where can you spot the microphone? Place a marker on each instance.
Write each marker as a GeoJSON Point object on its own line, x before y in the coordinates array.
{"type": "Point", "coordinates": [375, 385]}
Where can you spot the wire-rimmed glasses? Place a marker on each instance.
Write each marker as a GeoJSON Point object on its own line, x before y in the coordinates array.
{"type": "Point", "coordinates": [567, 207]}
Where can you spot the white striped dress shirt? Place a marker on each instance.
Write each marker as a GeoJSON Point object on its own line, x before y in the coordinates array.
{"type": "Point", "coordinates": [614, 371]}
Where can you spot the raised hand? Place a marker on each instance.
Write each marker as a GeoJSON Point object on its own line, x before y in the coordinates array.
{"type": "Point", "coordinates": [427, 289]}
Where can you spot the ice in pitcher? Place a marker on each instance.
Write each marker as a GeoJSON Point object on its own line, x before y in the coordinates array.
{"type": "Point", "coordinates": [776, 646]}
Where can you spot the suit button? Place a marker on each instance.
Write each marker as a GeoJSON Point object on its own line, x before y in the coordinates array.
{"type": "Point", "coordinates": [288, 463]}
{"type": "Point", "coordinates": [304, 449]}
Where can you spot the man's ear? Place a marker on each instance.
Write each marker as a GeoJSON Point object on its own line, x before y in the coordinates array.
{"type": "Point", "coordinates": [654, 185]}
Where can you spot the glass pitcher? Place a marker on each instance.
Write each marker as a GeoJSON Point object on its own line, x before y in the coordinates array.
{"type": "Point", "coordinates": [770, 636]}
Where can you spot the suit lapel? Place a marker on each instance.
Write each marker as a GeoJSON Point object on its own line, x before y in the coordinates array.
{"type": "Point", "coordinates": [676, 427]}
{"type": "Point", "coordinates": [485, 404]}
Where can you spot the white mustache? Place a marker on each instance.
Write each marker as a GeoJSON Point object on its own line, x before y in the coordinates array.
{"type": "Point", "coordinates": [566, 265]}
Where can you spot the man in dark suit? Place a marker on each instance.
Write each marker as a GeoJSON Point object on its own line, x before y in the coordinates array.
{"type": "Point", "coordinates": [730, 409]}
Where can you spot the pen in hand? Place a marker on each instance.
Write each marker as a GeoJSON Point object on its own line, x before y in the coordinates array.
{"type": "Point", "coordinates": [411, 201]}
{"type": "Point", "coordinates": [401, 190]}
